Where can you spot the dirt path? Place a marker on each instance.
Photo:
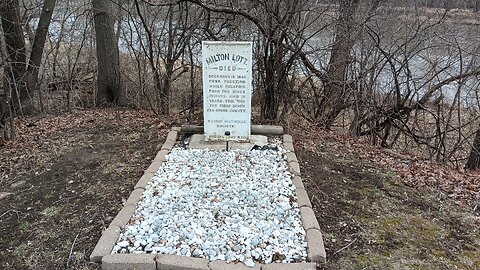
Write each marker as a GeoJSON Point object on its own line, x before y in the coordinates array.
{"type": "Point", "coordinates": [78, 168]}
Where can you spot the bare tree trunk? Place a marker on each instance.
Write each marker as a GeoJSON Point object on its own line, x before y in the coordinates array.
{"type": "Point", "coordinates": [335, 85]}
{"type": "Point", "coordinates": [39, 43]}
{"type": "Point", "coordinates": [270, 103]}
{"type": "Point", "coordinates": [192, 79]}
{"type": "Point", "coordinates": [151, 56]}
{"type": "Point", "coordinates": [169, 64]}
{"type": "Point", "coordinates": [15, 69]}
{"type": "Point", "coordinates": [473, 161]}
{"type": "Point", "coordinates": [5, 108]}
{"type": "Point", "coordinates": [108, 67]}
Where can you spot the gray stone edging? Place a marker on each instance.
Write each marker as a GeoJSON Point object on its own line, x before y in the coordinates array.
{"type": "Point", "coordinates": [129, 262]}
{"type": "Point", "coordinates": [123, 217]}
{"type": "Point", "coordinates": [174, 262]}
{"type": "Point", "coordinates": [297, 182]}
{"type": "Point", "coordinates": [291, 157]}
{"type": "Point", "coordinates": [105, 244]}
{"type": "Point", "coordinates": [302, 198]}
{"type": "Point", "coordinates": [295, 167]}
{"type": "Point", "coordinates": [309, 219]}
{"type": "Point", "coordinates": [288, 146]}
{"type": "Point", "coordinates": [102, 251]}
{"type": "Point", "coordinates": [142, 183]}
{"type": "Point", "coordinates": [287, 138]}
{"type": "Point", "coordinates": [315, 246]}
{"type": "Point", "coordinates": [135, 196]}
{"type": "Point", "coordinates": [222, 265]}
{"type": "Point", "coordinates": [316, 249]}
{"type": "Point", "coordinates": [170, 140]}
{"type": "Point", "coordinates": [161, 155]}
{"type": "Point", "coordinates": [153, 168]}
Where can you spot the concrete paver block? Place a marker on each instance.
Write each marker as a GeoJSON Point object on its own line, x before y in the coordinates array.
{"type": "Point", "coordinates": [222, 265]}
{"type": "Point", "coordinates": [168, 145]}
{"type": "Point", "coordinates": [315, 248]}
{"type": "Point", "coordinates": [129, 262]}
{"type": "Point", "coordinates": [295, 167]}
{"type": "Point", "coordinates": [170, 140]}
{"type": "Point", "coordinates": [287, 138]}
{"type": "Point", "coordinates": [135, 196]}
{"type": "Point", "coordinates": [297, 182]}
{"type": "Point", "coordinates": [153, 168]}
{"type": "Point", "coordinates": [144, 180]}
{"type": "Point", "coordinates": [288, 146]}
{"type": "Point", "coordinates": [123, 217]}
{"type": "Point", "coordinates": [172, 136]}
{"type": "Point", "coordinates": [291, 157]}
{"type": "Point", "coordinates": [266, 130]}
{"type": "Point", "coordinates": [105, 244]}
{"type": "Point", "coordinates": [309, 219]}
{"type": "Point", "coordinates": [290, 266]}
{"type": "Point", "coordinates": [173, 262]}
{"type": "Point", "coordinates": [302, 198]}
{"type": "Point", "coordinates": [161, 155]}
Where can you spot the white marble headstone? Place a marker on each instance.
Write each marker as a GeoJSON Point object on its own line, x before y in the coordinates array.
{"type": "Point", "coordinates": [227, 89]}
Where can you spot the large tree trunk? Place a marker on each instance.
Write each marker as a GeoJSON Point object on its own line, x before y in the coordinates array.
{"type": "Point", "coordinates": [39, 43]}
{"type": "Point", "coordinates": [15, 69]}
{"type": "Point", "coordinates": [336, 92]}
{"type": "Point", "coordinates": [473, 161]}
{"type": "Point", "coordinates": [108, 68]}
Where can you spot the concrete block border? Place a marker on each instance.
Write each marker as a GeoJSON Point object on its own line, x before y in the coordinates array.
{"type": "Point", "coordinates": [105, 244]}
{"type": "Point", "coordinates": [102, 251]}
{"type": "Point", "coordinates": [129, 262]}
{"type": "Point", "coordinates": [222, 265]}
{"type": "Point", "coordinates": [123, 217]}
{"type": "Point", "coordinates": [174, 262]}
{"type": "Point", "coordinates": [315, 246]}
{"type": "Point", "coordinates": [316, 249]}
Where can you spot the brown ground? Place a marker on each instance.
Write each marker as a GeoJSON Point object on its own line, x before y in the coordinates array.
{"type": "Point", "coordinates": [371, 220]}
{"type": "Point", "coordinates": [91, 161]}
{"type": "Point", "coordinates": [78, 168]}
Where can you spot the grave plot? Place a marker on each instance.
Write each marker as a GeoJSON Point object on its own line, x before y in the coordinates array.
{"type": "Point", "coordinates": [216, 209]}
{"type": "Point", "coordinates": [232, 206]}
{"type": "Point", "coordinates": [201, 207]}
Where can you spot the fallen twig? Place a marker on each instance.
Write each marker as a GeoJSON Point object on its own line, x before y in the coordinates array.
{"type": "Point", "coordinates": [11, 210]}
{"type": "Point", "coordinates": [71, 249]}
{"type": "Point", "coordinates": [349, 244]}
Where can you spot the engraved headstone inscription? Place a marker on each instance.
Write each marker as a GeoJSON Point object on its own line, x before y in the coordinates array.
{"type": "Point", "coordinates": [227, 89]}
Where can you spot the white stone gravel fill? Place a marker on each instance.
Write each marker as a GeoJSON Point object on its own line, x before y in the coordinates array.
{"type": "Point", "coordinates": [233, 206]}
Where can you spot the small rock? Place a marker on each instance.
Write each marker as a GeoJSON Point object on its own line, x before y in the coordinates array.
{"type": "Point", "coordinates": [249, 263]}
{"type": "Point", "coordinates": [229, 206]}
{"type": "Point", "coordinates": [18, 184]}
{"type": "Point", "coordinates": [123, 244]}
{"type": "Point", "coordinates": [4, 195]}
